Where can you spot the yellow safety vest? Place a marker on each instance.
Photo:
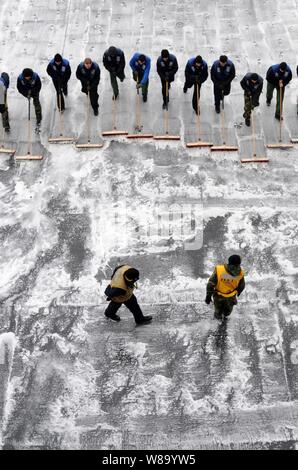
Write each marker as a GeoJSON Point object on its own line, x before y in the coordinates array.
{"type": "Point", "coordinates": [226, 283]}
{"type": "Point", "coordinates": [118, 282]}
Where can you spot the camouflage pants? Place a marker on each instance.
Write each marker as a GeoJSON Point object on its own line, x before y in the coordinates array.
{"type": "Point", "coordinates": [5, 119]}
{"type": "Point", "coordinates": [247, 106]}
{"type": "Point", "coordinates": [223, 305]}
{"type": "Point", "coordinates": [37, 107]}
{"type": "Point", "coordinates": [269, 95]}
{"type": "Point", "coordinates": [144, 87]}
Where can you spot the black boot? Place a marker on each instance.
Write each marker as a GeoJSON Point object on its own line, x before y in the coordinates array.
{"type": "Point", "coordinates": [145, 319]}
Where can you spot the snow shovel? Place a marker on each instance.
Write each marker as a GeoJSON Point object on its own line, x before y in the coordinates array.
{"type": "Point", "coordinates": [88, 145]}
{"type": "Point", "coordinates": [254, 159]}
{"type": "Point", "coordinates": [199, 142]}
{"type": "Point", "coordinates": [61, 139]}
{"type": "Point", "coordinates": [280, 145]}
{"type": "Point", "coordinates": [224, 147]}
{"type": "Point", "coordinates": [3, 149]}
{"type": "Point", "coordinates": [29, 155]}
{"type": "Point", "coordinates": [115, 130]}
{"type": "Point", "coordinates": [166, 121]}
{"type": "Point", "coordinates": [138, 126]}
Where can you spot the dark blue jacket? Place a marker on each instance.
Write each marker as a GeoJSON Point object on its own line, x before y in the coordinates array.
{"type": "Point", "coordinates": [5, 79]}
{"type": "Point", "coordinates": [33, 85]}
{"type": "Point", "coordinates": [115, 63]}
{"type": "Point", "coordinates": [274, 75]}
{"type": "Point", "coordinates": [222, 75]}
{"type": "Point", "coordinates": [191, 72]}
{"type": "Point", "coordinates": [60, 72]}
{"type": "Point", "coordinates": [142, 70]}
{"type": "Point", "coordinates": [167, 69]}
{"type": "Point", "coordinates": [4, 84]}
{"type": "Point", "coordinates": [92, 75]}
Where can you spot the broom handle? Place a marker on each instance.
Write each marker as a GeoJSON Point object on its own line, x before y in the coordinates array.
{"type": "Point", "coordinates": [280, 112]}
{"type": "Point", "coordinates": [223, 134]}
{"type": "Point", "coordinates": [2, 140]}
{"type": "Point", "coordinates": [88, 115]}
{"type": "Point", "coordinates": [198, 113]}
{"type": "Point", "coordinates": [114, 113]}
{"type": "Point", "coordinates": [166, 114]}
{"type": "Point", "coordinates": [29, 128]}
{"type": "Point", "coordinates": [138, 110]}
{"type": "Point", "coordinates": [254, 147]}
{"type": "Point", "coordinates": [61, 114]}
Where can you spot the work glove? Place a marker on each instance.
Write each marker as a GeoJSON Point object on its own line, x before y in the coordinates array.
{"type": "Point", "coordinates": [208, 299]}
{"type": "Point", "coordinates": [197, 79]}
{"type": "Point", "coordinates": [167, 76]}
{"type": "Point", "coordinates": [138, 85]}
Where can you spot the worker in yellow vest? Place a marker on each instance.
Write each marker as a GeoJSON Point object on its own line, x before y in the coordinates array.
{"type": "Point", "coordinates": [226, 282]}
{"type": "Point", "coordinates": [120, 291]}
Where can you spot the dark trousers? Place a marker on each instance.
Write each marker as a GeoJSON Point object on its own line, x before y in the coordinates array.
{"type": "Point", "coordinates": [114, 83]}
{"type": "Point", "coordinates": [223, 305]}
{"type": "Point", "coordinates": [220, 91]}
{"type": "Point", "coordinates": [37, 107]}
{"type": "Point", "coordinates": [195, 97]}
{"type": "Point", "coordinates": [61, 88]}
{"type": "Point", "coordinates": [137, 78]}
{"type": "Point", "coordinates": [250, 102]}
{"type": "Point", "coordinates": [131, 304]}
{"type": "Point", "coordinates": [269, 95]}
{"type": "Point", "coordinates": [165, 95]}
{"type": "Point", "coordinates": [5, 118]}
{"type": "Point", "coordinates": [93, 95]}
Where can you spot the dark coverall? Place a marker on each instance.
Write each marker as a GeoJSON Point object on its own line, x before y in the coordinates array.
{"type": "Point", "coordinates": [166, 70]}
{"type": "Point", "coordinates": [90, 80]}
{"type": "Point", "coordinates": [222, 78]}
{"type": "Point", "coordinates": [60, 75]}
{"type": "Point", "coordinates": [195, 76]}
{"type": "Point", "coordinates": [115, 65]}
{"type": "Point", "coordinates": [273, 76]}
{"type": "Point", "coordinates": [30, 89]}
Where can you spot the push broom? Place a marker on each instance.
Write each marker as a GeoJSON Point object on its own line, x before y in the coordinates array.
{"type": "Point", "coordinates": [138, 126]}
{"type": "Point", "coordinates": [254, 158]}
{"type": "Point", "coordinates": [224, 147]}
{"type": "Point", "coordinates": [29, 155]}
{"type": "Point", "coordinates": [199, 142]}
{"type": "Point", "coordinates": [3, 149]}
{"type": "Point", "coordinates": [88, 145]}
{"type": "Point", "coordinates": [166, 121]}
{"type": "Point", "coordinates": [61, 139]}
{"type": "Point", "coordinates": [115, 131]}
{"type": "Point", "coordinates": [280, 144]}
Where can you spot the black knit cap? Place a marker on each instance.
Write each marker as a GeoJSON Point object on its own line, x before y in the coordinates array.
{"type": "Point", "coordinates": [235, 260]}
{"type": "Point", "coordinates": [142, 58]}
{"type": "Point", "coordinates": [223, 59]}
{"type": "Point", "coordinates": [254, 77]}
{"type": "Point", "coordinates": [165, 53]}
{"type": "Point", "coordinates": [198, 59]}
{"type": "Point", "coordinates": [58, 58]}
{"type": "Point", "coordinates": [27, 73]}
{"type": "Point", "coordinates": [132, 275]}
{"type": "Point", "coordinates": [112, 51]}
{"type": "Point", "coordinates": [283, 66]}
